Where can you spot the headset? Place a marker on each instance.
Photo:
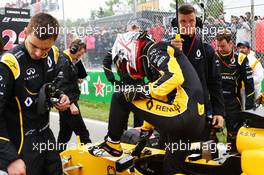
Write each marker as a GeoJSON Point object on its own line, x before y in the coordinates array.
{"type": "Point", "coordinates": [76, 47]}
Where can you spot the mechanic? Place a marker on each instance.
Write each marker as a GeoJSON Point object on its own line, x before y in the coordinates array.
{"type": "Point", "coordinates": [24, 131]}
{"type": "Point", "coordinates": [234, 69]}
{"type": "Point", "coordinates": [71, 119]}
{"type": "Point", "coordinates": [255, 64]}
{"type": "Point", "coordinates": [203, 58]}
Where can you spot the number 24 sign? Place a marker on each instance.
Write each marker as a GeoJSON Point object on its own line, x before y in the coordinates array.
{"type": "Point", "coordinates": [12, 38]}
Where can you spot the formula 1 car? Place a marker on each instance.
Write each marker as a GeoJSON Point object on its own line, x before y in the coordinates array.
{"type": "Point", "coordinates": [136, 160]}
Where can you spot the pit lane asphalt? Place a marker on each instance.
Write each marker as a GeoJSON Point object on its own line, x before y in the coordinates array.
{"type": "Point", "coordinates": [97, 129]}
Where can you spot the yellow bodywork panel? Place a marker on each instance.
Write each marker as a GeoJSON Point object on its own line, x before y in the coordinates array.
{"type": "Point", "coordinates": [92, 165]}
{"type": "Point", "coordinates": [250, 143]}
{"type": "Point", "coordinates": [249, 138]}
{"type": "Point", "coordinates": [252, 162]}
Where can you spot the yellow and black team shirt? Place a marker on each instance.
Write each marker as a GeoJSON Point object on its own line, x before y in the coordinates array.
{"type": "Point", "coordinates": [20, 81]}
{"type": "Point", "coordinates": [69, 83]}
{"type": "Point", "coordinates": [177, 86]}
{"type": "Point", "coordinates": [235, 69]}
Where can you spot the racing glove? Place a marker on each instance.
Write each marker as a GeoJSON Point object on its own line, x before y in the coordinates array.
{"type": "Point", "coordinates": [136, 93]}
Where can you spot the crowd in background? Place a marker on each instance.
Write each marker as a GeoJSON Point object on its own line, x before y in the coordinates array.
{"type": "Point", "coordinates": [242, 28]}
{"type": "Point", "coordinates": [98, 43]}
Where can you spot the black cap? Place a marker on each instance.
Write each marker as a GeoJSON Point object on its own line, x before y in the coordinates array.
{"type": "Point", "coordinates": [244, 43]}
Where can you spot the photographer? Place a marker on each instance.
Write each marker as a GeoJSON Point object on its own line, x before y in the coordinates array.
{"type": "Point", "coordinates": [26, 72]}
{"type": "Point", "coordinates": [71, 119]}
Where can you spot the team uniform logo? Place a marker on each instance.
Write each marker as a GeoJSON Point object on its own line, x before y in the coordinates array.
{"type": "Point", "coordinates": [31, 74]}
{"type": "Point", "coordinates": [232, 61]}
{"type": "Point", "coordinates": [198, 54]}
{"type": "Point", "coordinates": [49, 61]}
{"type": "Point", "coordinates": [31, 71]}
{"type": "Point", "coordinates": [28, 101]}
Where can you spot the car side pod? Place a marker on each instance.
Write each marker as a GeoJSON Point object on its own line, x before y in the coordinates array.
{"type": "Point", "coordinates": [252, 162]}
{"type": "Point", "coordinates": [250, 144]}
{"type": "Point", "coordinates": [249, 138]}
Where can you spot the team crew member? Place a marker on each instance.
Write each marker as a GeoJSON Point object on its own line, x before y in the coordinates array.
{"type": "Point", "coordinates": [172, 102]}
{"type": "Point", "coordinates": [234, 69]}
{"type": "Point", "coordinates": [71, 119]}
{"type": "Point", "coordinates": [23, 72]}
{"type": "Point", "coordinates": [203, 58]}
{"type": "Point", "coordinates": [254, 63]}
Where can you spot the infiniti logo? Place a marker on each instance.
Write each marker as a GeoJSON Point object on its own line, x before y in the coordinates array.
{"type": "Point", "coordinates": [30, 71]}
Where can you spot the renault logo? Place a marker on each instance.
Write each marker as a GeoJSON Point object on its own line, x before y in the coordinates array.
{"type": "Point", "coordinates": [30, 71]}
{"type": "Point", "coordinates": [49, 61]}
{"type": "Point", "coordinates": [28, 101]}
{"type": "Point", "coordinates": [198, 53]}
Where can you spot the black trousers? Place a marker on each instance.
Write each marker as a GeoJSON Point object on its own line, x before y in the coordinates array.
{"type": "Point", "coordinates": [207, 134]}
{"type": "Point", "coordinates": [187, 125]}
{"type": "Point", "coordinates": [232, 108]}
{"type": "Point", "coordinates": [72, 123]}
{"type": "Point", "coordinates": [40, 154]}
{"type": "Point", "coordinates": [137, 120]}
{"type": "Point", "coordinates": [232, 119]}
